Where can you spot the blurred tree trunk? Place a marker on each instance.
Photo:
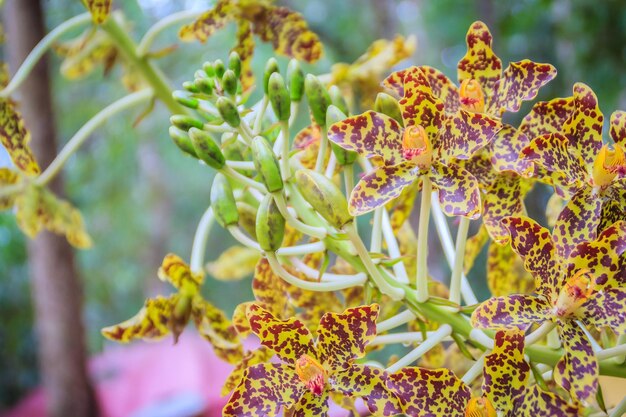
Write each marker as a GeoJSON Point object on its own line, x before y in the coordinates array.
{"type": "Point", "coordinates": [55, 283]}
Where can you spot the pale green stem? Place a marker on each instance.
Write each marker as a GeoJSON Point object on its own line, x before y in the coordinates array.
{"type": "Point", "coordinates": [553, 341]}
{"type": "Point", "coordinates": [243, 133]}
{"type": "Point", "coordinates": [244, 165]}
{"type": "Point", "coordinates": [421, 279]}
{"type": "Point", "coordinates": [40, 49]}
{"type": "Point", "coordinates": [476, 369]}
{"type": "Point", "coordinates": [540, 333]}
{"type": "Point", "coordinates": [305, 249]}
{"type": "Point", "coordinates": [318, 232]}
{"type": "Point", "coordinates": [332, 164]}
{"type": "Point", "coordinates": [229, 172]}
{"type": "Point", "coordinates": [321, 156]}
{"type": "Point", "coordinates": [620, 410]}
{"type": "Point", "coordinates": [401, 337]}
{"type": "Point", "coordinates": [8, 190]}
{"type": "Point", "coordinates": [615, 351]}
{"type": "Point", "coordinates": [594, 344]}
{"type": "Point", "coordinates": [621, 340]}
{"type": "Point", "coordinates": [284, 157]}
{"type": "Point", "coordinates": [313, 273]}
{"type": "Point", "coordinates": [172, 20]}
{"type": "Point", "coordinates": [305, 211]}
{"type": "Point", "coordinates": [88, 128]}
{"type": "Point", "coordinates": [198, 249]}
{"type": "Point", "coordinates": [295, 105]}
{"type": "Point", "coordinates": [448, 248]}
{"type": "Point", "coordinates": [395, 321]}
{"type": "Point", "coordinates": [457, 271]}
{"type": "Point", "coordinates": [480, 337]}
{"type": "Point", "coordinates": [384, 287]}
{"type": "Point", "coordinates": [399, 269]}
{"type": "Point", "coordinates": [433, 340]}
{"type": "Point", "coordinates": [376, 241]}
{"type": "Point", "coordinates": [348, 178]}
{"type": "Point", "coordinates": [242, 238]}
{"type": "Point", "coordinates": [309, 285]}
{"type": "Point", "coordinates": [258, 122]}
{"type": "Point", "coordinates": [218, 129]}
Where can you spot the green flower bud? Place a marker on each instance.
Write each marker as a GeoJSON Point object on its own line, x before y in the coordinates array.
{"type": "Point", "coordinates": [344, 156]}
{"type": "Point", "coordinates": [279, 97]}
{"type": "Point", "coordinates": [270, 68]}
{"type": "Point", "coordinates": [318, 98]}
{"type": "Point", "coordinates": [182, 98]}
{"type": "Point", "coordinates": [338, 100]}
{"type": "Point", "coordinates": [223, 202]}
{"type": "Point", "coordinates": [182, 140]}
{"type": "Point", "coordinates": [270, 225]}
{"type": "Point", "coordinates": [389, 106]}
{"type": "Point", "coordinates": [228, 111]}
{"type": "Point", "coordinates": [191, 87]}
{"type": "Point", "coordinates": [219, 68]}
{"type": "Point", "coordinates": [295, 80]}
{"type": "Point", "coordinates": [324, 196]}
{"type": "Point", "coordinates": [208, 69]}
{"type": "Point", "coordinates": [206, 149]}
{"type": "Point", "coordinates": [204, 85]}
{"type": "Point", "coordinates": [234, 63]}
{"type": "Point", "coordinates": [199, 74]}
{"type": "Point", "coordinates": [185, 122]}
{"type": "Point", "coordinates": [266, 164]}
{"type": "Point", "coordinates": [229, 82]}
{"type": "Point", "coordinates": [247, 218]}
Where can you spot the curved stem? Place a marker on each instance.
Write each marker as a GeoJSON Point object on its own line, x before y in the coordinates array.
{"type": "Point", "coordinates": [321, 156]}
{"type": "Point", "coordinates": [303, 249]}
{"type": "Point", "coordinates": [245, 165]}
{"type": "Point", "coordinates": [309, 285]}
{"type": "Point", "coordinates": [399, 269]}
{"type": "Point", "coordinates": [376, 241]}
{"type": "Point", "coordinates": [313, 273]}
{"type": "Point", "coordinates": [348, 178]}
{"type": "Point", "coordinates": [242, 238]}
{"type": "Point", "coordinates": [332, 164]}
{"type": "Point", "coordinates": [258, 121]}
{"type": "Point", "coordinates": [401, 337]}
{"type": "Point", "coordinates": [38, 51]}
{"type": "Point", "coordinates": [196, 262]}
{"type": "Point", "coordinates": [620, 410]}
{"type": "Point", "coordinates": [318, 232]}
{"type": "Point", "coordinates": [611, 352]}
{"type": "Point", "coordinates": [172, 20]}
{"type": "Point", "coordinates": [395, 321]}
{"type": "Point", "coordinates": [457, 271]}
{"type": "Point", "coordinates": [229, 172]}
{"type": "Point", "coordinates": [476, 369]}
{"type": "Point", "coordinates": [284, 157]}
{"type": "Point", "coordinates": [431, 341]}
{"type": "Point", "coordinates": [538, 334]}
{"type": "Point", "coordinates": [422, 241]}
{"type": "Point", "coordinates": [88, 128]}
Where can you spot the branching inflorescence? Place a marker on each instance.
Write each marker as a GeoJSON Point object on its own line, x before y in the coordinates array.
{"type": "Point", "coordinates": [289, 198]}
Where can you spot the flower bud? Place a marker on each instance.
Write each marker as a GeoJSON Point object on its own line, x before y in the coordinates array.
{"type": "Point", "coordinates": [223, 202]}
{"type": "Point", "coordinates": [247, 218]}
{"type": "Point", "coordinates": [185, 122]}
{"type": "Point", "coordinates": [324, 196]}
{"type": "Point", "coordinates": [338, 100]}
{"type": "Point", "coordinates": [204, 85]}
{"type": "Point", "coordinates": [318, 98]}
{"type": "Point", "coordinates": [279, 97]}
{"type": "Point", "coordinates": [344, 156]}
{"type": "Point", "coordinates": [229, 82]}
{"type": "Point", "coordinates": [228, 111]}
{"type": "Point", "coordinates": [270, 225]}
{"type": "Point", "coordinates": [389, 106]}
{"type": "Point", "coordinates": [208, 68]}
{"type": "Point", "coordinates": [219, 68]}
{"type": "Point", "coordinates": [295, 80]}
{"type": "Point", "coordinates": [191, 87]}
{"type": "Point", "coordinates": [182, 140]}
{"type": "Point", "coordinates": [270, 68]}
{"type": "Point", "coordinates": [206, 149]}
{"type": "Point", "coordinates": [266, 164]}
{"type": "Point", "coordinates": [234, 63]}
{"type": "Point", "coordinates": [182, 98]}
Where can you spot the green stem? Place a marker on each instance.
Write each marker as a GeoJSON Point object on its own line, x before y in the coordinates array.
{"type": "Point", "coordinates": [321, 156]}
{"type": "Point", "coordinates": [284, 157]}
{"type": "Point", "coordinates": [196, 262]}
{"type": "Point", "coordinates": [318, 232]}
{"type": "Point", "coordinates": [150, 73]}
{"type": "Point", "coordinates": [376, 241]}
{"type": "Point", "coordinates": [422, 241]}
{"type": "Point", "coordinates": [258, 121]}
{"type": "Point", "coordinates": [348, 178]}
{"type": "Point", "coordinates": [457, 271]}
{"type": "Point", "coordinates": [172, 20]}
{"type": "Point", "coordinates": [620, 410]}
{"type": "Point", "coordinates": [431, 341]}
{"type": "Point", "coordinates": [40, 49]}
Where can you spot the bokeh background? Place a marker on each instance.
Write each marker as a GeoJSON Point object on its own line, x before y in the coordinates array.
{"type": "Point", "coordinates": [141, 198]}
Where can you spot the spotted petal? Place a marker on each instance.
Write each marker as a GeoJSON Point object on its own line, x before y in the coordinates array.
{"type": "Point", "coordinates": [583, 129]}
{"type": "Point", "coordinates": [443, 88]}
{"type": "Point", "coordinates": [215, 327]}
{"type": "Point", "coordinates": [209, 22]}
{"type": "Point", "coordinates": [577, 371]}
{"type": "Point", "coordinates": [7, 177]}
{"type": "Point", "coordinates": [253, 357]}
{"type": "Point", "coordinates": [370, 383]}
{"type": "Point", "coordinates": [537, 402]}
{"type": "Point", "coordinates": [509, 312]}
{"type": "Point", "coordinates": [547, 117]}
{"type": "Point", "coordinates": [578, 221]}
{"type": "Point", "coordinates": [381, 186]}
{"type": "Point", "coordinates": [505, 149]}
{"type": "Point", "coordinates": [430, 392]}
{"type": "Point", "coordinates": [480, 63]}
{"type": "Point", "coordinates": [534, 244]}
{"type": "Point", "coordinates": [464, 133]}
{"type": "Point", "coordinates": [505, 272]}
{"type": "Point", "coordinates": [502, 198]}
{"type": "Point", "coordinates": [15, 137]}
{"type": "Point", "coordinates": [264, 390]}
{"type": "Point", "coordinates": [290, 338]}
{"type": "Point", "coordinates": [99, 9]}
{"type": "Point", "coordinates": [151, 323]}
{"type": "Point", "coordinates": [602, 257]}
{"type": "Point", "coordinates": [175, 271]}
{"type": "Point", "coordinates": [520, 81]}
{"type": "Point", "coordinates": [458, 190]}
{"type": "Point", "coordinates": [506, 372]}
{"type": "Point", "coordinates": [419, 105]}
{"type": "Point", "coordinates": [395, 81]}
{"type": "Point", "coordinates": [606, 308]}
{"type": "Point", "coordinates": [370, 134]}
{"type": "Point", "coordinates": [245, 49]}
{"type": "Point", "coordinates": [268, 289]}
{"type": "Point", "coordinates": [617, 128]}
{"type": "Point", "coordinates": [342, 337]}
{"type": "Point", "coordinates": [310, 405]}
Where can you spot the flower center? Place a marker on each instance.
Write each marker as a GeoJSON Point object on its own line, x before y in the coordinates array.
{"type": "Point", "coordinates": [472, 97]}
{"type": "Point", "coordinates": [608, 164]}
{"type": "Point", "coordinates": [480, 407]}
{"type": "Point", "coordinates": [311, 373]}
{"type": "Point", "coordinates": [416, 146]}
{"type": "Point", "coordinates": [574, 293]}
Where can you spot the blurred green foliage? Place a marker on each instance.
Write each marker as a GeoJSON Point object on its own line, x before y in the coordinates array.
{"type": "Point", "coordinates": [132, 183]}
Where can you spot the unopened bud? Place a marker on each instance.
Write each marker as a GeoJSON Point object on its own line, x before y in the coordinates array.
{"type": "Point", "coordinates": [270, 68]}
{"type": "Point", "coordinates": [343, 156]}
{"type": "Point", "coordinates": [338, 100]}
{"type": "Point", "coordinates": [219, 68]}
{"type": "Point", "coordinates": [389, 106]}
{"type": "Point", "coordinates": [324, 196]}
{"type": "Point", "coordinates": [191, 87]}
{"type": "Point", "coordinates": [182, 98]}
{"type": "Point", "coordinates": [223, 202]}
{"type": "Point", "coordinates": [270, 225]}
{"type": "Point", "coordinates": [185, 122]}
{"type": "Point", "coordinates": [182, 140]}
{"type": "Point", "coordinates": [228, 111]}
{"type": "Point", "coordinates": [234, 63]}
{"type": "Point", "coordinates": [318, 98]}
{"type": "Point", "coordinates": [279, 97]}
{"type": "Point", "coordinates": [266, 164]}
{"type": "Point", "coordinates": [208, 69]}
{"type": "Point", "coordinates": [295, 80]}
{"type": "Point", "coordinates": [206, 149]}
{"type": "Point", "coordinates": [229, 82]}
{"type": "Point", "coordinates": [247, 218]}
{"type": "Point", "coordinates": [204, 85]}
